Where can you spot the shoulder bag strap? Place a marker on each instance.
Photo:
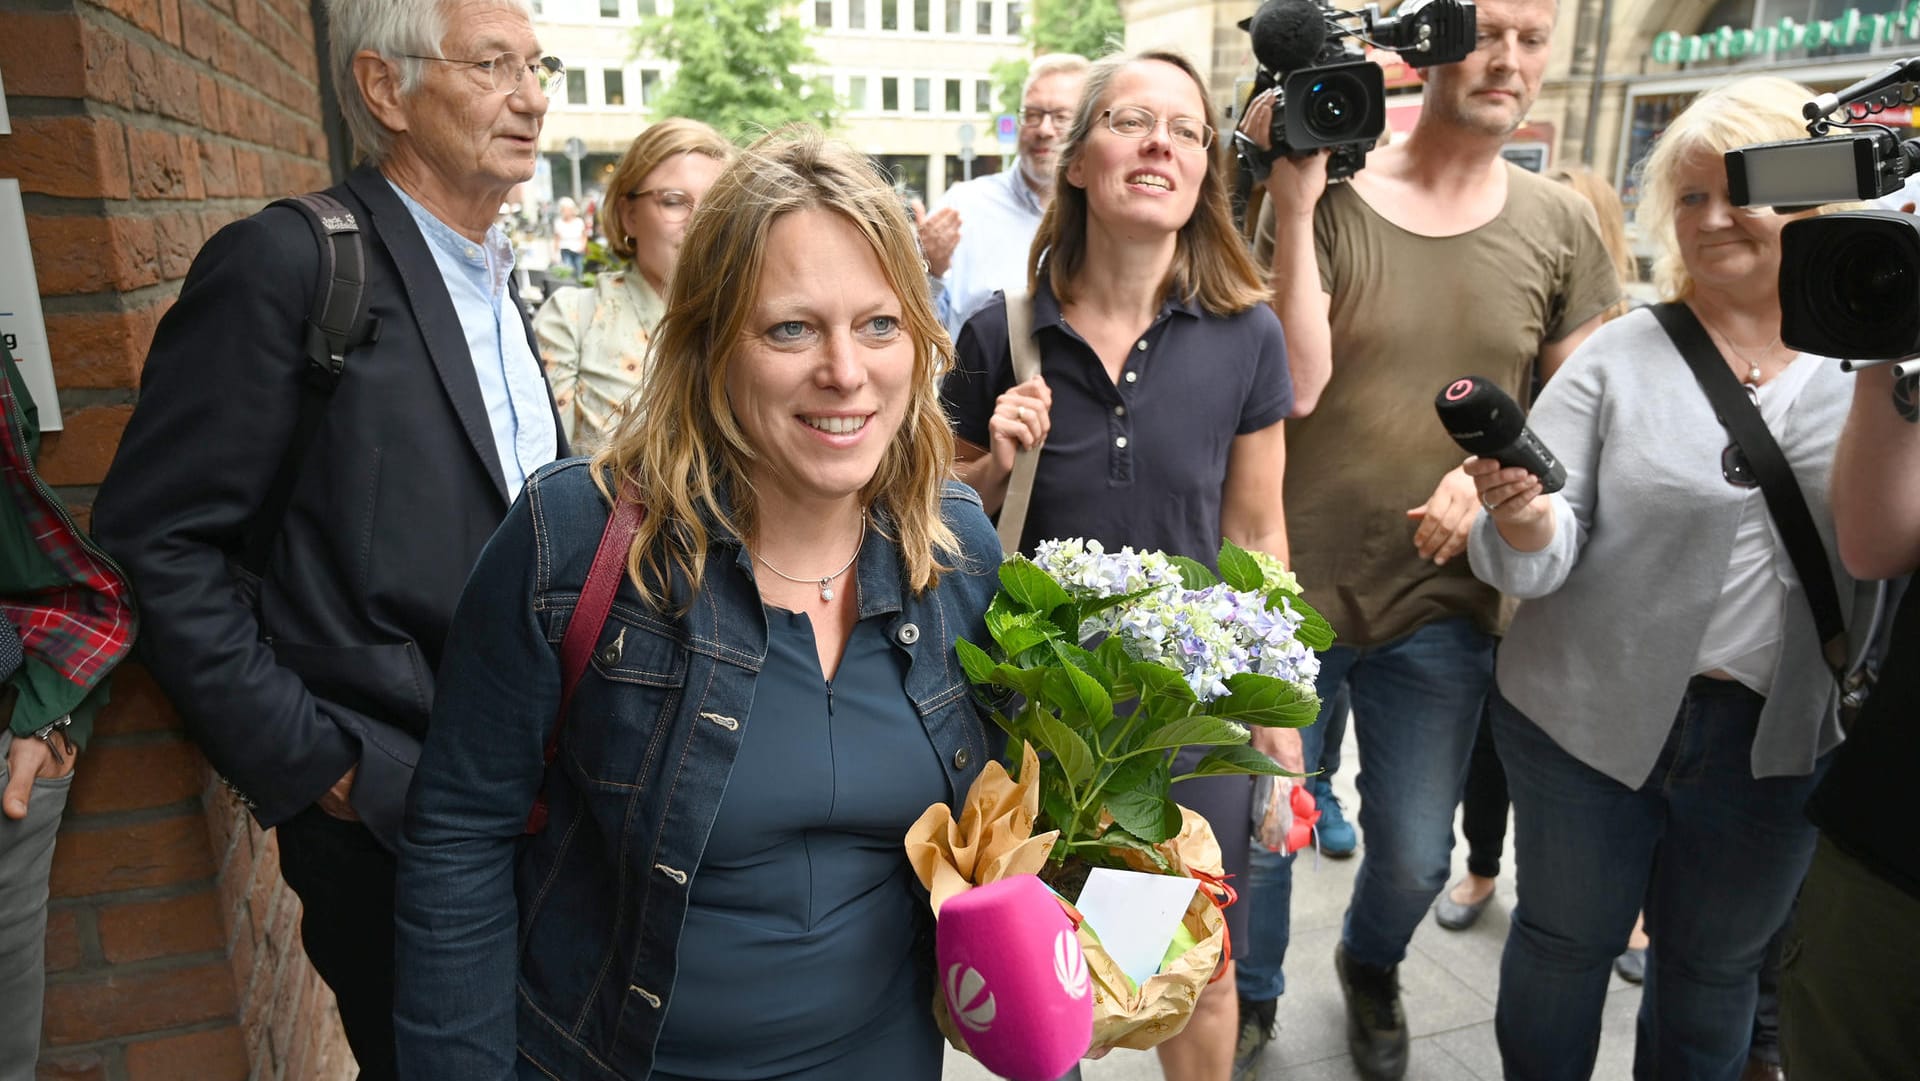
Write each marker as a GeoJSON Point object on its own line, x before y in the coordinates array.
{"type": "Point", "coordinates": [584, 626]}
{"type": "Point", "coordinates": [1026, 365]}
{"type": "Point", "coordinates": [1741, 417]}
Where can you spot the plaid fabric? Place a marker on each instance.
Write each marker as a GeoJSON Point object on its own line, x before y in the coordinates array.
{"type": "Point", "coordinates": [84, 627]}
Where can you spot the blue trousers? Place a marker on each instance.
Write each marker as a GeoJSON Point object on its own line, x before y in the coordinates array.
{"type": "Point", "coordinates": [1416, 706]}
{"type": "Point", "coordinates": [1714, 855]}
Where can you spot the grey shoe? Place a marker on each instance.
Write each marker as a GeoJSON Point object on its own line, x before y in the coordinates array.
{"type": "Point", "coordinates": [1376, 1024]}
{"type": "Point", "coordinates": [1455, 916]}
{"type": "Point", "coordinates": [1632, 965]}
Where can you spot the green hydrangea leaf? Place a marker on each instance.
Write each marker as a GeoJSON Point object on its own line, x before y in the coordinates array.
{"type": "Point", "coordinates": [974, 661]}
{"type": "Point", "coordinates": [1077, 695]}
{"type": "Point", "coordinates": [1164, 694]}
{"type": "Point", "coordinates": [1225, 761]}
{"type": "Point", "coordinates": [1089, 662]}
{"type": "Point", "coordinates": [1240, 570]}
{"type": "Point", "coordinates": [1199, 730]}
{"type": "Point", "coordinates": [1193, 573]}
{"type": "Point", "coordinates": [1265, 700]}
{"type": "Point", "coordinates": [1030, 586]}
{"type": "Point", "coordinates": [1066, 746]}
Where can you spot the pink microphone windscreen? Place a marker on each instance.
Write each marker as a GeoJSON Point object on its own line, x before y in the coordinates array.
{"type": "Point", "coordinates": [1016, 982]}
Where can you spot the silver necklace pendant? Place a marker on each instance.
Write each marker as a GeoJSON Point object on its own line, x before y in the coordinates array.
{"type": "Point", "coordinates": [826, 589]}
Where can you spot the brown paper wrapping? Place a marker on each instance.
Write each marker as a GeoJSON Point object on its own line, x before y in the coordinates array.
{"type": "Point", "coordinates": [994, 839]}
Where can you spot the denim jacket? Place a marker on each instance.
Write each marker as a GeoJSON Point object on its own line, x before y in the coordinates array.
{"type": "Point", "coordinates": [554, 955]}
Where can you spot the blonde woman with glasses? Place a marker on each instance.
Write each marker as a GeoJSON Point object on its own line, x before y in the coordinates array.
{"type": "Point", "coordinates": [594, 339]}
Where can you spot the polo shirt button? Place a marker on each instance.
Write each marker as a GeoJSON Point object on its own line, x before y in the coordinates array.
{"type": "Point", "coordinates": [908, 634]}
{"type": "Point", "coordinates": [1133, 377]}
{"type": "Point", "coordinates": [1119, 410]}
{"type": "Point", "coordinates": [1121, 442]}
{"type": "Point", "coordinates": [1142, 346]}
{"type": "Point", "coordinates": [961, 757]}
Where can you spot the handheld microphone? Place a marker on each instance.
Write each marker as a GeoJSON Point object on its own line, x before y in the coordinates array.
{"type": "Point", "coordinates": [1016, 983]}
{"type": "Point", "coordinates": [1486, 421]}
{"type": "Point", "coordinates": [1287, 34]}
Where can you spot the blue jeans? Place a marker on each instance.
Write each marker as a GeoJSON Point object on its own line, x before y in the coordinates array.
{"type": "Point", "coordinates": [1714, 855]}
{"type": "Point", "coordinates": [1416, 706]}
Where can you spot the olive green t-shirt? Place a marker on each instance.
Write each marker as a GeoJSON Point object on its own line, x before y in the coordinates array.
{"type": "Point", "coordinates": [1409, 315]}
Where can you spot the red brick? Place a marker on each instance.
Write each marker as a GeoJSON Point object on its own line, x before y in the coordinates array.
{"type": "Point", "coordinates": [215, 1055]}
{"type": "Point", "coordinates": [137, 705]}
{"type": "Point", "coordinates": [199, 32]}
{"type": "Point", "coordinates": [77, 1066]}
{"type": "Point", "coordinates": [79, 254]}
{"type": "Point", "coordinates": [210, 115]}
{"type": "Point", "coordinates": [73, 157]}
{"type": "Point", "coordinates": [164, 165]}
{"type": "Point", "coordinates": [139, 931]}
{"type": "Point", "coordinates": [248, 170]}
{"type": "Point", "coordinates": [128, 1004]}
{"type": "Point", "coordinates": [133, 777]}
{"type": "Point", "coordinates": [177, 237]}
{"type": "Point", "coordinates": [170, 21]}
{"type": "Point", "coordinates": [63, 938]}
{"type": "Point", "coordinates": [289, 1009]}
{"type": "Point", "coordinates": [107, 74]}
{"type": "Point", "coordinates": [217, 170]}
{"type": "Point", "coordinates": [98, 349]}
{"type": "Point", "coordinates": [41, 55]}
{"type": "Point", "coordinates": [144, 14]}
{"type": "Point", "coordinates": [233, 112]}
{"type": "Point", "coordinates": [247, 14]}
{"type": "Point", "coordinates": [179, 91]}
{"type": "Point", "coordinates": [81, 452]}
{"type": "Point", "coordinates": [143, 73]}
{"type": "Point", "coordinates": [104, 860]}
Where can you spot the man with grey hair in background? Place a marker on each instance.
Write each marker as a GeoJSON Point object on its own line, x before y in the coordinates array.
{"type": "Point", "coordinates": [298, 525]}
{"type": "Point", "coordinates": [976, 240]}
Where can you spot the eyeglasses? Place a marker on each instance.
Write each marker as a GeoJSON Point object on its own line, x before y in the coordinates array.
{"type": "Point", "coordinates": [1133, 122]}
{"type": "Point", "coordinates": [1033, 118]}
{"type": "Point", "coordinates": [675, 206]}
{"type": "Point", "coordinates": [508, 70]}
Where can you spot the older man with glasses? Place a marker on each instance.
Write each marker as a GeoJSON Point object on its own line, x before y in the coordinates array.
{"type": "Point", "coordinates": [976, 240]}
{"type": "Point", "coordinates": [298, 519]}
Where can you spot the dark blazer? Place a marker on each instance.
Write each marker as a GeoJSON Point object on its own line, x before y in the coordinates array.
{"type": "Point", "coordinates": [398, 492]}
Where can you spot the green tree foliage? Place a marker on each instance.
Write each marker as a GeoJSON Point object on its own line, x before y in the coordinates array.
{"type": "Point", "coordinates": [739, 67]}
{"type": "Point", "coordinates": [1092, 28]}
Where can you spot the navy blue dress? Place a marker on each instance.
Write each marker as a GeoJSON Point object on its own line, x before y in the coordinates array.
{"type": "Point", "coordinates": [797, 960]}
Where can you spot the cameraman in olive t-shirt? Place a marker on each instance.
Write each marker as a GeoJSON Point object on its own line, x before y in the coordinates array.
{"type": "Point", "coordinates": [1438, 260]}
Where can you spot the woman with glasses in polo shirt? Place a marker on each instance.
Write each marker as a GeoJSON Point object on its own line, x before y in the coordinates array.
{"type": "Point", "coordinates": [1162, 390]}
{"type": "Point", "coordinates": [594, 339]}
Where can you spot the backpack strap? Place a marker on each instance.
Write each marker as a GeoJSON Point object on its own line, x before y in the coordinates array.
{"type": "Point", "coordinates": [584, 626]}
{"type": "Point", "coordinates": [337, 324]}
{"type": "Point", "coordinates": [1026, 461]}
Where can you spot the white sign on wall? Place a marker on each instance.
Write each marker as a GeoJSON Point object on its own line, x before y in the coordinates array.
{"type": "Point", "coordinates": [20, 321]}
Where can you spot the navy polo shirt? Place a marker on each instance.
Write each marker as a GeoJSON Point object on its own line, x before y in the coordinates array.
{"type": "Point", "coordinates": [1141, 461]}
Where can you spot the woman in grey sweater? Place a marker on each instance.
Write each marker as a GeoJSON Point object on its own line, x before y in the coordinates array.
{"type": "Point", "coordinates": [1663, 705]}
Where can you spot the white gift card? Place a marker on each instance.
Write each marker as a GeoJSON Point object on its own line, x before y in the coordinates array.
{"type": "Point", "coordinates": [1135, 915]}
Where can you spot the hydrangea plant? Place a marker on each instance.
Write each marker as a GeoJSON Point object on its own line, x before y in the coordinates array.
{"type": "Point", "coordinates": [1110, 663]}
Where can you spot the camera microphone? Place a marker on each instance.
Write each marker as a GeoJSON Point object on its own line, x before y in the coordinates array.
{"type": "Point", "coordinates": [1287, 34]}
{"type": "Point", "coordinates": [1486, 421]}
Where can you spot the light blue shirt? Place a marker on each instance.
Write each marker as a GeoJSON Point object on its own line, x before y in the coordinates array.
{"type": "Point", "coordinates": [511, 384]}
{"type": "Point", "coordinates": [998, 216]}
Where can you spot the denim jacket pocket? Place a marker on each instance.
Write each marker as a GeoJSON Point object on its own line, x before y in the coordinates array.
{"type": "Point", "coordinates": [624, 702]}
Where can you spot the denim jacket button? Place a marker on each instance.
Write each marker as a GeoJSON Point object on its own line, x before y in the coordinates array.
{"type": "Point", "coordinates": [961, 757]}
{"type": "Point", "coordinates": [908, 634]}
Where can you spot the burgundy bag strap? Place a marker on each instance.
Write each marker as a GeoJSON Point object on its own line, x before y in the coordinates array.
{"type": "Point", "coordinates": [583, 628]}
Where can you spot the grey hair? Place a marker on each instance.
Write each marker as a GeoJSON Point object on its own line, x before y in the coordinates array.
{"type": "Point", "coordinates": [391, 29]}
{"type": "Point", "coordinates": [1053, 64]}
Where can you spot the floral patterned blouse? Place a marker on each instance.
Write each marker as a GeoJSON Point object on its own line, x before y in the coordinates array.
{"type": "Point", "coordinates": [594, 342]}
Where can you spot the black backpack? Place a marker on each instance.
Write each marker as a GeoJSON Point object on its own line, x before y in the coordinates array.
{"type": "Point", "coordinates": [338, 324]}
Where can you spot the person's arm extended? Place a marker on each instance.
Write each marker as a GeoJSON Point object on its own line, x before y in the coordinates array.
{"type": "Point", "coordinates": [1253, 516]}
{"type": "Point", "coordinates": [1286, 244]}
{"type": "Point", "coordinates": [1876, 482]}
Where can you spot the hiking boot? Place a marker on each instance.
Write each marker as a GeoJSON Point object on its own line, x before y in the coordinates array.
{"type": "Point", "coordinates": [1376, 1025]}
{"type": "Point", "coordinates": [1256, 1032]}
{"type": "Point", "coordinates": [1337, 838]}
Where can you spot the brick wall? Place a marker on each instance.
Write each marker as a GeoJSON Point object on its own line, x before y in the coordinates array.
{"type": "Point", "coordinates": [139, 128]}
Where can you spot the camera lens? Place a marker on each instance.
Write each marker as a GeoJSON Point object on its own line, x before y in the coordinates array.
{"type": "Point", "coordinates": [1870, 280]}
{"type": "Point", "coordinates": [1336, 108]}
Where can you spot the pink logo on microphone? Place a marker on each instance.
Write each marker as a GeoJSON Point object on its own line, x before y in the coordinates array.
{"type": "Point", "coordinates": [1460, 389]}
{"type": "Point", "coordinates": [1069, 964]}
{"type": "Point", "coordinates": [972, 1002]}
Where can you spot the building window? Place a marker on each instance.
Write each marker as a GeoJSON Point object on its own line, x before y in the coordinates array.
{"type": "Point", "coordinates": [1015, 9]}
{"type": "Point", "coordinates": [857, 93]}
{"type": "Point", "coordinates": [609, 9]}
{"type": "Point", "coordinates": [889, 14]}
{"type": "Point", "coordinates": [576, 86]}
{"type": "Point", "coordinates": [953, 95]}
{"type": "Point", "coordinates": [615, 84]}
{"type": "Point", "coordinates": [649, 86]}
{"type": "Point", "coordinates": [856, 14]}
{"type": "Point", "coordinates": [955, 8]}
{"type": "Point", "coordinates": [646, 7]}
{"type": "Point", "coordinates": [889, 94]}
{"type": "Point", "coordinates": [823, 13]}
{"type": "Point", "coordinates": [908, 172]}
{"type": "Point", "coordinates": [923, 95]}
{"type": "Point", "coordinates": [983, 17]}
{"type": "Point", "coordinates": [923, 15]}
{"type": "Point", "coordinates": [983, 96]}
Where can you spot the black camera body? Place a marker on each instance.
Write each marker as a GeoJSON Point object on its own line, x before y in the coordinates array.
{"type": "Point", "coordinates": [1850, 281]}
{"type": "Point", "coordinates": [1330, 95]}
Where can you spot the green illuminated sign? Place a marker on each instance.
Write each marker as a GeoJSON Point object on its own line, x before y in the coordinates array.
{"type": "Point", "coordinates": [1851, 28]}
